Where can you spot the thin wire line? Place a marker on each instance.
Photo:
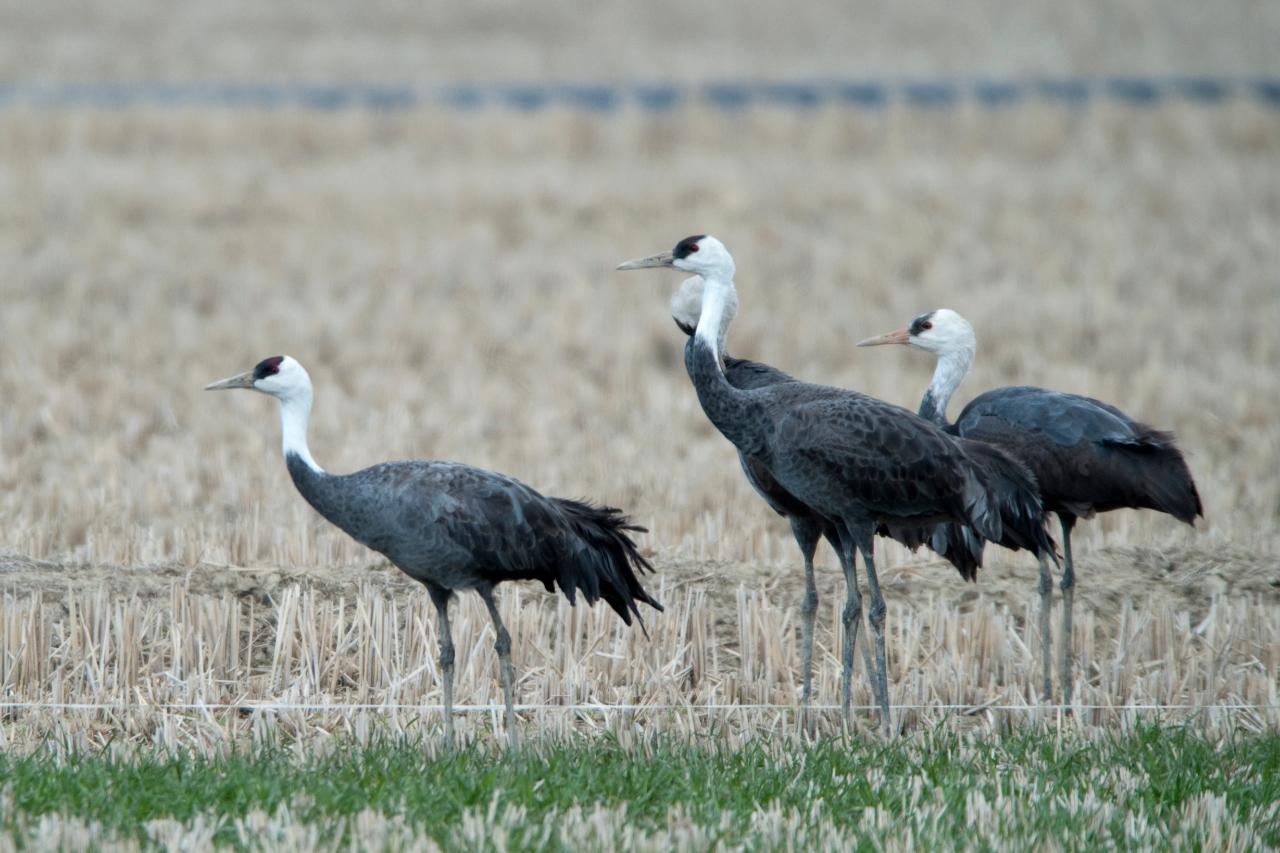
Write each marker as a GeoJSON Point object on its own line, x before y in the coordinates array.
{"type": "Point", "coordinates": [244, 707]}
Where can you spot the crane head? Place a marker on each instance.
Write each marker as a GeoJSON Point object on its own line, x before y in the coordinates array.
{"type": "Point", "coordinates": [280, 376]}
{"type": "Point", "coordinates": [941, 332]}
{"type": "Point", "coordinates": [700, 254]}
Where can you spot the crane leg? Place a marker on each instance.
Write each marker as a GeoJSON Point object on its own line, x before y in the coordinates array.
{"type": "Point", "coordinates": [876, 619]}
{"type": "Point", "coordinates": [806, 534]}
{"type": "Point", "coordinates": [1046, 641]}
{"type": "Point", "coordinates": [440, 598]}
{"type": "Point", "coordinates": [868, 664]}
{"type": "Point", "coordinates": [852, 618]}
{"type": "Point", "coordinates": [502, 645]}
{"type": "Point", "coordinates": [808, 611]}
{"type": "Point", "coordinates": [1068, 597]}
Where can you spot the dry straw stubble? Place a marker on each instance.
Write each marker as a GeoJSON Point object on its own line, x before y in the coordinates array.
{"type": "Point", "coordinates": [448, 280]}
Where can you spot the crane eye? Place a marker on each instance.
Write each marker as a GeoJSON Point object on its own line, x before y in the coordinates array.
{"type": "Point", "coordinates": [686, 247]}
{"type": "Point", "coordinates": [267, 367]}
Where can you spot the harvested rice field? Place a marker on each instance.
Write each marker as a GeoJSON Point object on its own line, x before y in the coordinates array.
{"type": "Point", "coordinates": [190, 657]}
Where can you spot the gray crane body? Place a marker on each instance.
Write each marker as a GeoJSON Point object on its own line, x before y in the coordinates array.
{"type": "Point", "coordinates": [453, 527]}
{"type": "Point", "coordinates": [456, 527]}
{"type": "Point", "coordinates": [958, 544]}
{"type": "Point", "coordinates": [854, 461]}
{"type": "Point", "coordinates": [1087, 456]}
{"type": "Point", "coordinates": [857, 463]}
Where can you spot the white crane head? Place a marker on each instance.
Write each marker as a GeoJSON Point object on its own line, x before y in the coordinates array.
{"type": "Point", "coordinates": [283, 378]}
{"type": "Point", "coordinates": [280, 376]}
{"type": "Point", "coordinates": [942, 332]}
{"type": "Point", "coordinates": [700, 254]}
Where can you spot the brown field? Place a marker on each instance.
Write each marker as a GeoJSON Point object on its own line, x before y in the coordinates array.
{"type": "Point", "coordinates": [448, 279]}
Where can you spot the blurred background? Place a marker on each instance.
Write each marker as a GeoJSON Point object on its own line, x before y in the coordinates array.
{"type": "Point", "coordinates": [611, 41]}
{"type": "Point", "coordinates": [424, 203]}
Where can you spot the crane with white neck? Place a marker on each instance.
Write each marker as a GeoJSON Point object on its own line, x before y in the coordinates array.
{"type": "Point", "coordinates": [855, 461]}
{"type": "Point", "coordinates": [808, 527]}
{"type": "Point", "coordinates": [452, 527]}
{"type": "Point", "coordinates": [1087, 456]}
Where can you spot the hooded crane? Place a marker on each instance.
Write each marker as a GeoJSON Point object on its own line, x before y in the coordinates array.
{"type": "Point", "coordinates": [452, 527]}
{"type": "Point", "coordinates": [1087, 456]}
{"type": "Point", "coordinates": [853, 460]}
{"type": "Point", "coordinates": [957, 543]}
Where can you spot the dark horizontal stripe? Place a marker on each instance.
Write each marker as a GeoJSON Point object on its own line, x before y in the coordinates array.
{"type": "Point", "coordinates": [729, 95]}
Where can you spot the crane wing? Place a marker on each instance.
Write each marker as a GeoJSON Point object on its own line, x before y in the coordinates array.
{"type": "Point", "coordinates": [462, 527]}
{"type": "Point", "coordinates": [893, 464]}
{"type": "Point", "coordinates": [454, 518]}
{"type": "Point", "coordinates": [1066, 419]}
{"type": "Point", "coordinates": [747, 375]}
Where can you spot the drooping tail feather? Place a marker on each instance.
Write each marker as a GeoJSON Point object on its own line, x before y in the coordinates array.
{"type": "Point", "coordinates": [606, 563]}
{"type": "Point", "coordinates": [956, 543]}
{"type": "Point", "coordinates": [1151, 472]}
{"type": "Point", "coordinates": [1014, 513]}
{"type": "Point", "coordinates": [1001, 504]}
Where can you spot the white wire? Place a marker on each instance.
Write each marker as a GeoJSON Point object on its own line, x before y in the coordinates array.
{"type": "Point", "coordinates": [247, 707]}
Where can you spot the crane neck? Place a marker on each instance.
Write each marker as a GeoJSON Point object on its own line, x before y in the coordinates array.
{"type": "Point", "coordinates": [719, 307]}
{"type": "Point", "coordinates": [735, 413]}
{"type": "Point", "coordinates": [295, 411]}
{"type": "Point", "coordinates": [951, 369]}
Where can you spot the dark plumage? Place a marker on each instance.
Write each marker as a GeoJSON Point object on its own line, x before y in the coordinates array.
{"type": "Point", "coordinates": [1087, 456]}
{"type": "Point", "coordinates": [456, 527]}
{"type": "Point", "coordinates": [961, 547]}
{"type": "Point", "coordinates": [855, 462]}
{"type": "Point", "coordinates": [453, 527]}
{"type": "Point", "coordinates": [958, 545]}
{"type": "Point", "coordinates": [855, 456]}
{"type": "Point", "coordinates": [860, 464]}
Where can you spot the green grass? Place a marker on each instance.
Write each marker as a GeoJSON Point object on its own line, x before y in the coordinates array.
{"type": "Point", "coordinates": [1149, 785]}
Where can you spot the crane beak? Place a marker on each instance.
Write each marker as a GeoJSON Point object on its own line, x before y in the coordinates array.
{"type": "Point", "coordinates": [663, 259]}
{"type": "Point", "coordinates": [902, 336]}
{"type": "Point", "coordinates": [240, 380]}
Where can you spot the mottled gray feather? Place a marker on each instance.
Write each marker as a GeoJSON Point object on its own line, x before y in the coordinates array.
{"type": "Point", "coordinates": [457, 527]}
{"type": "Point", "coordinates": [850, 457]}
{"type": "Point", "coordinates": [1087, 456]}
{"type": "Point", "coordinates": [961, 548]}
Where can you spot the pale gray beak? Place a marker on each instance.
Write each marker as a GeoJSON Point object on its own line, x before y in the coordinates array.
{"type": "Point", "coordinates": [663, 259]}
{"type": "Point", "coordinates": [240, 380]}
{"type": "Point", "coordinates": [901, 336]}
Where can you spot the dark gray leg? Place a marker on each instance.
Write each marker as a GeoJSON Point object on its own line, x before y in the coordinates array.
{"type": "Point", "coordinates": [806, 533]}
{"type": "Point", "coordinates": [808, 613]}
{"type": "Point", "coordinates": [502, 645]}
{"type": "Point", "coordinates": [1068, 597]}
{"type": "Point", "coordinates": [852, 618]}
{"type": "Point", "coordinates": [876, 619]}
{"type": "Point", "coordinates": [868, 664]}
{"type": "Point", "coordinates": [868, 660]}
{"type": "Point", "coordinates": [440, 598]}
{"type": "Point", "coordinates": [1046, 601]}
